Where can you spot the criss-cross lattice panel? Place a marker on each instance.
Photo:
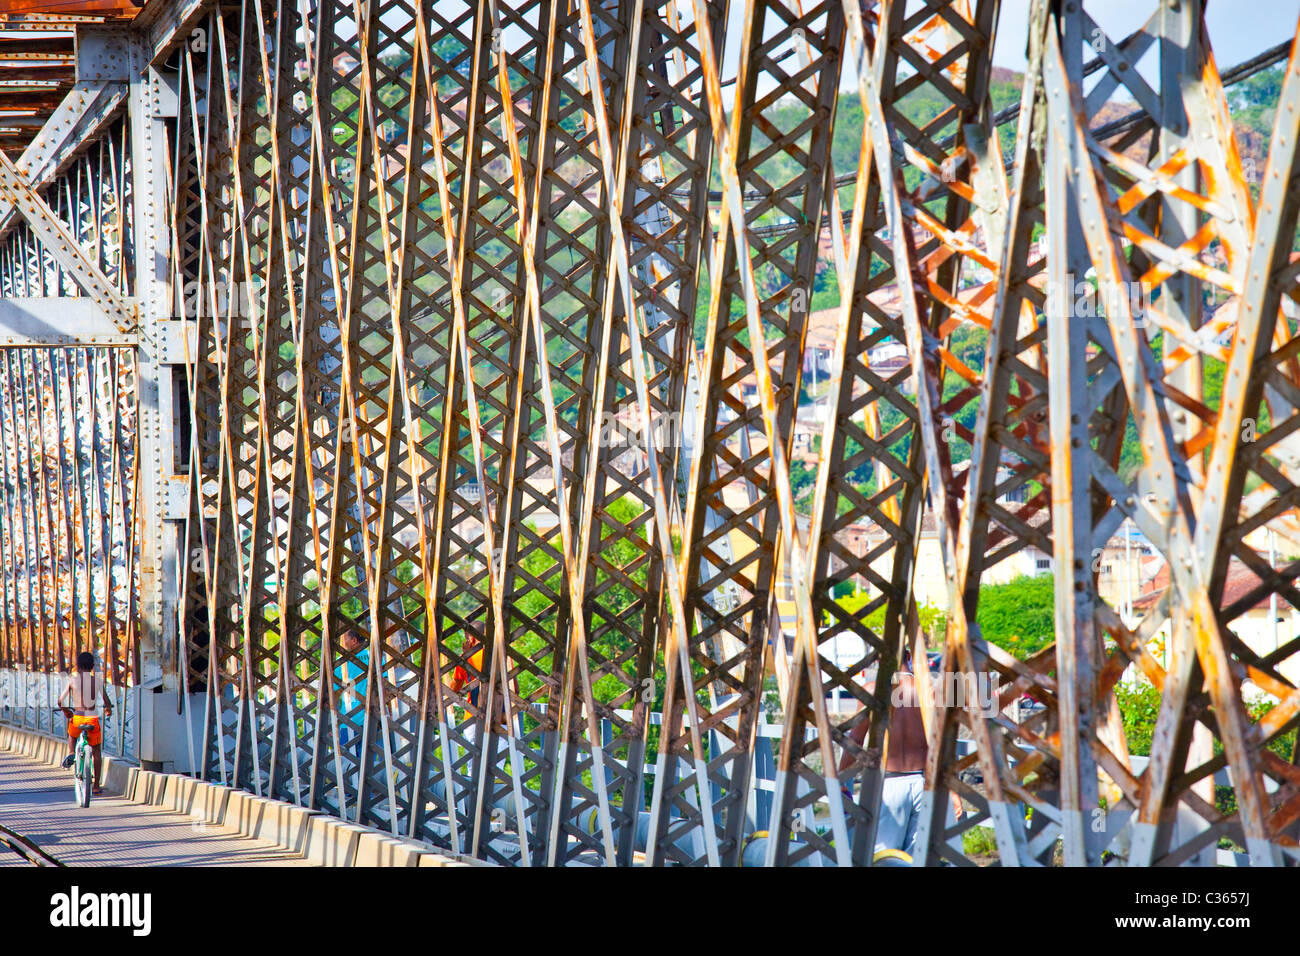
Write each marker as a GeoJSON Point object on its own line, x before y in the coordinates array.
{"type": "Point", "coordinates": [1189, 278]}
{"type": "Point", "coordinates": [69, 546]}
{"type": "Point", "coordinates": [91, 198]}
{"type": "Point", "coordinates": [68, 531]}
{"type": "Point", "coordinates": [667, 160]}
{"type": "Point", "coordinates": [946, 164]}
{"type": "Point", "coordinates": [975, 284]}
{"type": "Point", "coordinates": [417, 424]}
{"type": "Point", "coordinates": [785, 108]}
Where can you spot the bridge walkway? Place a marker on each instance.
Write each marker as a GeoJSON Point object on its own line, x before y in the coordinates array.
{"type": "Point", "coordinates": [36, 801]}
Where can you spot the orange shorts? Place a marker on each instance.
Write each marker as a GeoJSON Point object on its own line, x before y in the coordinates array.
{"type": "Point", "coordinates": [92, 733]}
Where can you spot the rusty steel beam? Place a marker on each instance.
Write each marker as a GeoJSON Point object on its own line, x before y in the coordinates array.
{"type": "Point", "coordinates": [34, 49]}
{"type": "Point", "coordinates": [96, 9]}
{"type": "Point", "coordinates": [36, 71]}
{"type": "Point", "coordinates": [474, 463]}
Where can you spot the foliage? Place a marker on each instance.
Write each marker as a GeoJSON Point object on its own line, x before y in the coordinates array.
{"type": "Point", "coordinates": [538, 606]}
{"type": "Point", "coordinates": [1253, 101]}
{"type": "Point", "coordinates": [979, 841]}
{"type": "Point", "coordinates": [1019, 616]}
{"type": "Point", "coordinates": [1138, 707]}
{"type": "Point", "coordinates": [933, 620]}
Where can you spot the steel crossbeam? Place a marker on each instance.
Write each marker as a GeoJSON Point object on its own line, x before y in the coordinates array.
{"type": "Point", "coordinates": [422, 393]}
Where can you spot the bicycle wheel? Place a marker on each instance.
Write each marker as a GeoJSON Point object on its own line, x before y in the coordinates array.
{"type": "Point", "coordinates": [85, 776]}
{"type": "Point", "coordinates": [76, 777]}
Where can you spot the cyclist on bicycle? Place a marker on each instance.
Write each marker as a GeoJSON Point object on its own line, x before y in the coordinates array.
{"type": "Point", "coordinates": [460, 677]}
{"type": "Point", "coordinates": [80, 704]}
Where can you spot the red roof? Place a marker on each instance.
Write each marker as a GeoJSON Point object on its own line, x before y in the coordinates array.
{"type": "Point", "coordinates": [1241, 581]}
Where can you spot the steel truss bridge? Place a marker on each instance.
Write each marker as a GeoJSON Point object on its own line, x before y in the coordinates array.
{"type": "Point", "coordinates": [368, 316]}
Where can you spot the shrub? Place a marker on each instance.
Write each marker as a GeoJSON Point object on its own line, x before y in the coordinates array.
{"type": "Point", "coordinates": [1019, 616]}
{"type": "Point", "coordinates": [979, 841]}
{"type": "Point", "coordinates": [1138, 708]}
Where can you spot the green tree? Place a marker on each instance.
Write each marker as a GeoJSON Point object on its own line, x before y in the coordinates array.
{"type": "Point", "coordinates": [1019, 616]}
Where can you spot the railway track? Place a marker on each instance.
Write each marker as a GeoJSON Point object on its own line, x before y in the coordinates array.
{"type": "Point", "coordinates": [25, 848]}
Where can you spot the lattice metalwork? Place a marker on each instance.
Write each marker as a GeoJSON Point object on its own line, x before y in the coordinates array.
{"type": "Point", "coordinates": [484, 335]}
{"type": "Point", "coordinates": [69, 534]}
{"type": "Point", "coordinates": [69, 547]}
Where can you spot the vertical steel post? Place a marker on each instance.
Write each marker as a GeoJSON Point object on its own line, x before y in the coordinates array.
{"type": "Point", "coordinates": [152, 101]}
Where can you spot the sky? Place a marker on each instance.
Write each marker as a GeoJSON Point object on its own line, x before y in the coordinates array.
{"type": "Point", "coordinates": [1238, 28]}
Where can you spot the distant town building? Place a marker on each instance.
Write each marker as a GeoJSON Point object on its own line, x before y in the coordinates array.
{"type": "Point", "coordinates": [1253, 619]}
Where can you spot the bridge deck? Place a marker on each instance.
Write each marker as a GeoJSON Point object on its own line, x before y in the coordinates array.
{"type": "Point", "coordinates": [36, 800]}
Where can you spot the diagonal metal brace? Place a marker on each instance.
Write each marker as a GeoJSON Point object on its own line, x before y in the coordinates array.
{"type": "Point", "coordinates": [54, 236]}
{"type": "Point", "coordinates": [80, 119]}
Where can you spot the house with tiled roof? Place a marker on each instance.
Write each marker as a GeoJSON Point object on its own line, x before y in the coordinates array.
{"type": "Point", "coordinates": [1262, 623]}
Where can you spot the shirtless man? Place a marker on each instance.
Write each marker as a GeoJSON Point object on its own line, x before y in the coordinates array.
{"type": "Point", "coordinates": [905, 751]}
{"type": "Point", "coordinates": [80, 703]}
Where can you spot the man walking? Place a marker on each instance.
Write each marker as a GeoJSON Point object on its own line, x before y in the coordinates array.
{"type": "Point", "coordinates": [904, 769]}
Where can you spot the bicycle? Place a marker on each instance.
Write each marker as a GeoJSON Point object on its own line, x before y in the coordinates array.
{"type": "Point", "coordinates": [83, 766]}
